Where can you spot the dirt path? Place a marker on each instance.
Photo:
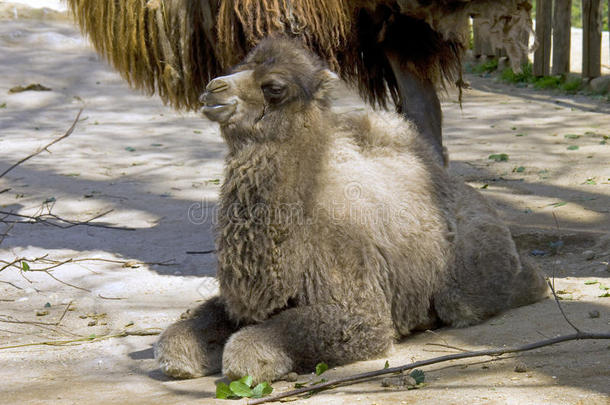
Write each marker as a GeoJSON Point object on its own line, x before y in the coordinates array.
{"type": "Point", "coordinates": [158, 172]}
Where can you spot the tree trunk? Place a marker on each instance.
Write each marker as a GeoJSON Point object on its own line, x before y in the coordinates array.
{"type": "Point", "coordinates": [482, 45]}
{"type": "Point", "coordinates": [591, 38]}
{"type": "Point", "coordinates": [544, 23]}
{"type": "Point", "coordinates": [562, 25]}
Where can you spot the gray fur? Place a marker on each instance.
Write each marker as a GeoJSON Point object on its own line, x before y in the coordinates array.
{"type": "Point", "coordinates": [337, 232]}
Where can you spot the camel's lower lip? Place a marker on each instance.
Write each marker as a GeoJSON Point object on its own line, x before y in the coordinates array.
{"type": "Point", "coordinates": [219, 112]}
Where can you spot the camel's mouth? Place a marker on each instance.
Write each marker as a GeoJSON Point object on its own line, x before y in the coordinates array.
{"type": "Point", "coordinates": [219, 112]}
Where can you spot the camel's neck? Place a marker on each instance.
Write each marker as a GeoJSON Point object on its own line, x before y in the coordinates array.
{"type": "Point", "coordinates": [281, 169]}
{"type": "Point", "coordinates": [265, 198]}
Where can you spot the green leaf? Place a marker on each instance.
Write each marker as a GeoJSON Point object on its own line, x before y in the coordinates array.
{"type": "Point", "coordinates": [590, 282]}
{"type": "Point", "coordinates": [240, 389]}
{"type": "Point", "coordinates": [25, 266]}
{"type": "Point", "coordinates": [386, 365]}
{"type": "Point", "coordinates": [247, 380]}
{"type": "Point", "coordinates": [558, 204]}
{"type": "Point", "coordinates": [484, 186]}
{"type": "Point", "coordinates": [571, 136]}
{"type": "Point", "coordinates": [3, 105]}
{"type": "Point", "coordinates": [573, 147]}
{"type": "Point", "coordinates": [606, 295]}
{"type": "Point", "coordinates": [92, 337]}
{"type": "Point", "coordinates": [300, 384]}
{"type": "Point", "coordinates": [498, 157]}
{"type": "Point", "coordinates": [418, 376]}
{"type": "Point", "coordinates": [156, 144]}
{"type": "Point", "coordinates": [321, 368]}
{"type": "Point", "coordinates": [130, 149]}
{"type": "Point", "coordinates": [262, 390]}
{"type": "Point", "coordinates": [603, 287]}
{"type": "Point", "coordinates": [519, 169]}
{"type": "Point", "coordinates": [521, 135]}
{"type": "Point", "coordinates": [197, 131]}
{"type": "Point", "coordinates": [223, 391]}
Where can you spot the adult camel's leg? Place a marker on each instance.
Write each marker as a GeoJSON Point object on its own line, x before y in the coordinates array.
{"type": "Point", "coordinates": [419, 103]}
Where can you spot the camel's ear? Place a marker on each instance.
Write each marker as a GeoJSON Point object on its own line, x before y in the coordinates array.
{"type": "Point", "coordinates": [327, 82]}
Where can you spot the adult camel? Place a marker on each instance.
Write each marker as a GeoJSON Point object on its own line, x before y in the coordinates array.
{"type": "Point", "coordinates": [400, 51]}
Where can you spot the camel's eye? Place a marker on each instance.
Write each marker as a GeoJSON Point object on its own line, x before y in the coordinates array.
{"type": "Point", "coordinates": [274, 92]}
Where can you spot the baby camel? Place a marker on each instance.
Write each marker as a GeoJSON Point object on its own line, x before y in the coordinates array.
{"type": "Point", "coordinates": [337, 232]}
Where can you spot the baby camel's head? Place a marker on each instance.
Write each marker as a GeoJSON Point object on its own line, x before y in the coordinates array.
{"type": "Point", "coordinates": [277, 80]}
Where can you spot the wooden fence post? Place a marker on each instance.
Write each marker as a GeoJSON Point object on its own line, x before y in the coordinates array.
{"type": "Point", "coordinates": [562, 26]}
{"type": "Point", "coordinates": [544, 22]}
{"type": "Point", "coordinates": [591, 38]}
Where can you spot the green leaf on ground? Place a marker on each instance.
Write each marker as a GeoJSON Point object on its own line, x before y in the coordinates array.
{"type": "Point", "coordinates": [321, 368]}
{"type": "Point", "coordinates": [418, 375]}
{"type": "Point", "coordinates": [591, 282]}
{"type": "Point", "coordinates": [606, 295]}
{"type": "Point", "coordinates": [498, 157]}
{"type": "Point", "coordinates": [247, 380]}
{"type": "Point", "coordinates": [240, 389]}
{"type": "Point", "coordinates": [571, 136]}
{"type": "Point", "coordinates": [262, 390]}
{"type": "Point", "coordinates": [573, 147]}
{"type": "Point", "coordinates": [386, 365]}
{"type": "Point", "coordinates": [3, 105]}
{"type": "Point", "coordinates": [519, 169]}
{"type": "Point", "coordinates": [520, 134]}
{"type": "Point", "coordinates": [25, 266]}
{"type": "Point", "coordinates": [223, 391]}
{"type": "Point", "coordinates": [130, 149]}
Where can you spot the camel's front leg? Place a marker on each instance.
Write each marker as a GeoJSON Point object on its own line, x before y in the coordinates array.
{"type": "Point", "coordinates": [193, 347]}
{"type": "Point", "coordinates": [299, 338]}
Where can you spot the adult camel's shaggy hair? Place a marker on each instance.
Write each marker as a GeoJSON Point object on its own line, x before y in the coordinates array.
{"type": "Point", "coordinates": [337, 232]}
{"type": "Point", "coordinates": [174, 47]}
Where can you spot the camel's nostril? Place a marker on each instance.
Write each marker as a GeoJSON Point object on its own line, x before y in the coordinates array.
{"type": "Point", "coordinates": [216, 86]}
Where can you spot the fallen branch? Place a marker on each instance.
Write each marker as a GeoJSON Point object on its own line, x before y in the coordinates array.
{"type": "Point", "coordinates": [491, 352]}
{"type": "Point", "coordinates": [59, 222]}
{"type": "Point", "coordinates": [45, 148]}
{"type": "Point", "coordinates": [125, 333]}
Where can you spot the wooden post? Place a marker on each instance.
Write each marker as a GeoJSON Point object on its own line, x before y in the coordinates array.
{"type": "Point", "coordinates": [591, 38]}
{"type": "Point", "coordinates": [562, 25]}
{"type": "Point", "coordinates": [544, 23]}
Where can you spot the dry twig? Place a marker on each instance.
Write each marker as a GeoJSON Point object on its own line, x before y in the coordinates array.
{"type": "Point", "coordinates": [45, 148]}
{"type": "Point", "coordinates": [59, 222]}
{"type": "Point", "coordinates": [125, 333]}
{"type": "Point", "coordinates": [491, 352]}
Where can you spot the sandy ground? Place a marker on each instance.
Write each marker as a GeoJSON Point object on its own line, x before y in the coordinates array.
{"type": "Point", "coordinates": [158, 171]}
